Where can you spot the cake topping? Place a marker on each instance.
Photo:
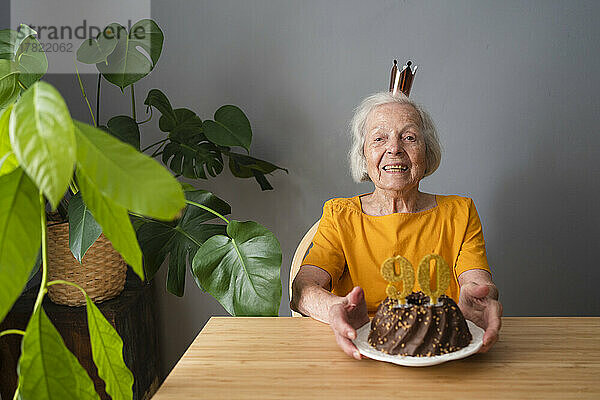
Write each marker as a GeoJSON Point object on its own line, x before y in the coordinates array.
{"type": "Point", "coordinates": [442, 273]}
{"type": "Point", "coordinates": [442, 329]}
{"type": "Point", "coordinates": [406, 276]}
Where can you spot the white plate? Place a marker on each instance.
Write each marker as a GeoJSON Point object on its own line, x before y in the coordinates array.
{"type": "Point", "coordinates": [365, 349]}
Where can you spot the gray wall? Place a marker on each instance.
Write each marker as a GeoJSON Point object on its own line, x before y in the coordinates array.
{"type": "Point", "coordinates": [512, 86]}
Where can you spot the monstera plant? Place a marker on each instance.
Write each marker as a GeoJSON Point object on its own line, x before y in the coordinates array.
{"type": "Point", "coordinates": [98, 178]}
{"type": "Point", "coordinates": [194, 149]}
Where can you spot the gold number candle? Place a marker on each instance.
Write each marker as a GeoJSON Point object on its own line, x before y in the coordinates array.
{"type": "Point", "coordinates": [406, 276]}
{"type": "Point", "coordinates": [442, 272]}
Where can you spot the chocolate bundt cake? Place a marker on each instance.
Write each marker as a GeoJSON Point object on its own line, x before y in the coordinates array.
{"type": "Point", "coordinates": [418, 328]}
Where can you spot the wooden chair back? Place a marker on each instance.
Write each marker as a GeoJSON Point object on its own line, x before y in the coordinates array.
{"type": "Point", "coordinates": [299, 256]}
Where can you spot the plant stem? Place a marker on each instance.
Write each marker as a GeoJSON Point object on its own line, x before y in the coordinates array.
{"type": "Point", "coordinates": [98, 99]}
{"type": "Point", "coordinates": [12, 332]}
{"type": "Point", "coordinates": [73, 187]}
{"type": "Point", "coordinates": [154, 144]}
{"type": "Point", "coordinates": [43, 288]}
{"type": "Point", "coordinates": [132, 102]}
{"type": "Point", "coordinates": [146, 120]}
{"type": "Point", "coordinates": [61, 282]}
{"type": "Point", "coordinates": [207, 209]}
{"type": "Point", "coordinates": [137, 215]}
{"type": "Point", "coordinates": [184, 233]}
{"type": "Point", "coordinates": [83, 92]}
{"type": "Point", "coordinates": [156, 221]}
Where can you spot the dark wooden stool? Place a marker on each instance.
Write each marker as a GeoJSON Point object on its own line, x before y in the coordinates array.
{"type": "Point", "coordinates": [132, 315]}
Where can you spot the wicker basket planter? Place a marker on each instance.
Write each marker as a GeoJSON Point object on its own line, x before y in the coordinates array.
{"type": "Point", "coordinates": [101, 273]}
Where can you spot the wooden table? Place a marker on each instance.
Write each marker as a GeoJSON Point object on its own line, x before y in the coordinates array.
{"type": "Point", "coordinates": [282, 358]}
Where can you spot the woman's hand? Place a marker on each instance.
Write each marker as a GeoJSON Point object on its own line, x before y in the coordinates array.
{"type": "Point", "coordinates": [346, 317]}
{"type": "Point", "coordinates": [478, 302]}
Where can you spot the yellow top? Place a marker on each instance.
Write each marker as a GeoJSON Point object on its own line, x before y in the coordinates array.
{"type": "Point", "coordinates": [351, 245]}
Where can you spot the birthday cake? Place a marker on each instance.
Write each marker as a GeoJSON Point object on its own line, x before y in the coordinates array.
{"type": "Point", "coordinates": [411, 324]}
{"type": "Point", "coordinates": [419, 329]}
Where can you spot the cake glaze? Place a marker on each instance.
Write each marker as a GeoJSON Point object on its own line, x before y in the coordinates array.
{"type": "Point", "coordinates": [419, 329]}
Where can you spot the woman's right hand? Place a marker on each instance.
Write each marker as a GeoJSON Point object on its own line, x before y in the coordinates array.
{"type": "Point", "coordinates": [347, 316]}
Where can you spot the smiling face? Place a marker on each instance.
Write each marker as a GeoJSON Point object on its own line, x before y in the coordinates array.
{"type": "Point", "coordinates": [395, 147]}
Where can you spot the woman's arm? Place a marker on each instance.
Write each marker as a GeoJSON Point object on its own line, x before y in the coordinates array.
{"type": "Point", "coordinates": [311, 297]}
{"type": "Point", "coordinates": [479, 303]}
{"type": "Point", "coordinates": [310, 294]}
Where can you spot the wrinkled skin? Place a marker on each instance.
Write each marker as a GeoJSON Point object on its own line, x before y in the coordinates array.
{"type": "Point", "coordinates": [393, 138]}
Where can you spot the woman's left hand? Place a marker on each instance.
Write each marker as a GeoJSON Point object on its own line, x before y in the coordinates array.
{"type": "Point", "coordinates": [478, 303]}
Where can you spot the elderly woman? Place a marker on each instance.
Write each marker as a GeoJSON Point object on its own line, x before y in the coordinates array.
{"type": "Point", "coordinates": [394, 145]}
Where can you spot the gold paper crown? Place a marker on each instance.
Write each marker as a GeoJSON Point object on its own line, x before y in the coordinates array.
{"type": "Point", "coordinates": [402, 80]}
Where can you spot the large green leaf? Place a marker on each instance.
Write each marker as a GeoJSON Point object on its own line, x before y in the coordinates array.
{"type": "Point", "coordinates": [180, 239]}
{"type": "Point", "coordinates": [107, 352]}
{"type": "Point", "coordinates": [47, 369]}
{"type": "Point", "coordinates": [31, 61]}
{"type": "Point", "coordinates": [27, 53]}
{"type": "Point", "coordinates": [41, 136]}
{"type": "Point", "coordinates": [157, 99]}
{"type": "Point", "coordinates": [8, 38]}
{"type": "Point", "coordinates": [179, 123]}
{"type": "Point", "coordinates": [11, 40]}
{"type": "Point", "coordinates": [186, 124]}
{"type": "Point", "coordinates": [244, 166]}
{"type": "Point", "coordinates": [114, 221]}
{"type": "Point", "coordinates": [230, 128]}
{"type": "Point", "coordinates": [83, 228]}
{"type": "Point", "coordinates": [9, 82]}
{"type": "Point", "coordinates": [127, 177]}
{"type": "Point", "coordinates": [95, 50]}
{"type": "Point", "coordinates": [188, 152]}
{"type": "Point", "coordinates": [189, 157]}
{"type": "Point", "coordinates": [126, 64]}
{"type": "Point", "coordinates": [20, 235]}
{"type": "Point", "coordinates": [241, 270]}
{"type": "Point", "coordinates": [124, 128]}
{"type": "Point", "coordinates": [8, 161]}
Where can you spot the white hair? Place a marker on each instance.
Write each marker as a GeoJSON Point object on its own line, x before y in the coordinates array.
{"type": "Point", "coordinates": [358, 163]}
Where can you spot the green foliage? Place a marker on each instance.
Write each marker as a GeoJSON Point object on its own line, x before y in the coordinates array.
{"type": "Point", "coordinates": [188, 152]}
{"type": "Point", "coordinates": [118, 190]}
{"type": "Point", "coordinates": [20, 235]}
{"type": "Point", "coordinates": [180, 239]}
{"type": "Point", "coordinates": [31, 61]}
{"type": "Point", "coordinates": [195, 146]}
{"type": "Point", "coordinates": [83, 228]}
{"type": "Point", "coordinates": [8, 42]}
{"type": "Point", "coordinates": [126, 64]}
{"type": "Point", "coordinates": [107, 352]}
{"type": "Point", "coordinates": [8, 161]}
{"type": "Point", "coordinates": [125, 129]}
{"type": "Point", "coordinates": [26, 52]}
{"type": "Point", "coordinates": [230, 128]}
{"type": "Point", "coordinates": [243, 166]}
{"type": "Point", "coordinates": [9, 82]}
{"type": "Point", "coordinates": [158, 100]}
{"type": "Point", "coordinates": [114, 221]}
{"type": "Point", "coordinates": [47, 158]}
{"type": "Point", "coordinates": [95, 50]}
{"type": "Point", "coordinates": [131, 179]}
{"type": "Point", "coordinates": [47, 369]}
{"type": "Point", "coordinates": [241, 270]}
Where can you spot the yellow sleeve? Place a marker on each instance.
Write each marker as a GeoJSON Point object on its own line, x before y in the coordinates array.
{"type": "Point", "coordinates": [472, 253]}
{"type": "Point", "coordinates": [326, 251]}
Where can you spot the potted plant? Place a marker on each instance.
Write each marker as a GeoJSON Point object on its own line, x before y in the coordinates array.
{"type": "Point", "coordinates": [191, 148]}
{"type": "Point", "coordinates": [44, 153]}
